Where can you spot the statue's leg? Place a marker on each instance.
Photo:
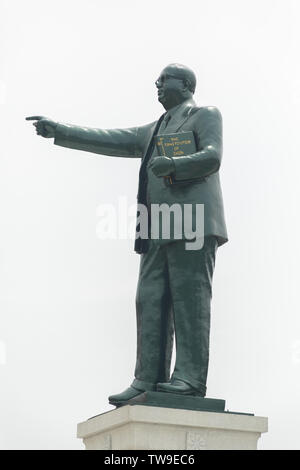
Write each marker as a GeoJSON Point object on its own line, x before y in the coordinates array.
{"type": "Point", "coordinates": [154, 319]}
{"type": "Point", "coordinates": [190, 273]}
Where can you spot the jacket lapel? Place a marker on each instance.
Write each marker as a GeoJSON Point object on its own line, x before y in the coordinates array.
{"type": "Point", "coordinates": [179, 119]}
{"type": "Point", "coordinates": [185, 118]}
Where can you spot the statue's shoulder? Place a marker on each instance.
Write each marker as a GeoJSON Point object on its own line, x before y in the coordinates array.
{"type": "Point", "coordinates": [143, 132]}
{"type": "Point", "coordinates": [206, 112]}
{"type": "Point", "coordinates": [147, 127]}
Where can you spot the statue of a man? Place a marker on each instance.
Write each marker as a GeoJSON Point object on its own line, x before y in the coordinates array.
{"type": "Point", "coordinates": [174, 286]}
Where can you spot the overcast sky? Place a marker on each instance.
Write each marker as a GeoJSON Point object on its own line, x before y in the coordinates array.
{"type": "Point", "coordinates": [67, 299]}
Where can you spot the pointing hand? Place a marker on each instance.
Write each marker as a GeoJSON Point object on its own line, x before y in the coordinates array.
{"type": "Point", "coordinates": [44, 126]}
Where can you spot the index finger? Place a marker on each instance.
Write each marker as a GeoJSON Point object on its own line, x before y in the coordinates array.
{"type": "Point", "coordinates": [34, 118]}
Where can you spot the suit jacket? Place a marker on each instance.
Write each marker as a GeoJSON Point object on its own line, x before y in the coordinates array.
{"type": "Point", "coordinates": [201, 168]}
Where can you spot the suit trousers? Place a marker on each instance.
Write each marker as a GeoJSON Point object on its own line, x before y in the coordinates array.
{"type": "Point", "coordinates": [174, 294]}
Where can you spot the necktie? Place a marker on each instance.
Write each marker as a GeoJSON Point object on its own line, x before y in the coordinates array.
{"type": "Point", "coordinates": [164, 124]}
{"type": "Point", "coordinates": [141, 245]}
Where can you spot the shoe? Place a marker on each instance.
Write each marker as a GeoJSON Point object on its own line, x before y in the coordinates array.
{"type": "Point", "coordinates": [122, 398]}
{"type": "Point", "coordinates": [179, 387]}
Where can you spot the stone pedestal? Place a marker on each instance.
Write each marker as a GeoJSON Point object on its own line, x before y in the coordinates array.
{"type": "Point", "coordinates": [138, 427]}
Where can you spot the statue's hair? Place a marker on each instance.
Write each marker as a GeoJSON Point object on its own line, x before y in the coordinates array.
{"type": "Point", "coordinates": [186, 74]}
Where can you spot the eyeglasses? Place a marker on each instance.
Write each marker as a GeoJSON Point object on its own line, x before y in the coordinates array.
{"type": "Point", "coordinates": [163, 78]}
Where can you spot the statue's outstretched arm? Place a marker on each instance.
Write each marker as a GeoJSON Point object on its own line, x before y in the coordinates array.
{"type": "Point", "coordinates": [113, 142]}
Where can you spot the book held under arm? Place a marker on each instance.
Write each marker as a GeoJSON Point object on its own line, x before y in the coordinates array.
{"type": "Point", "coordinates": [176, 146]}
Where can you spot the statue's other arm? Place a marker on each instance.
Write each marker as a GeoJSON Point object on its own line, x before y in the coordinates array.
{"type": "Point", "coordinates": [208, 130]}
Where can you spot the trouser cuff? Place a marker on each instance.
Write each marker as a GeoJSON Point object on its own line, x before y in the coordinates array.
{"type": "Point", "coordinates": [143, 386]}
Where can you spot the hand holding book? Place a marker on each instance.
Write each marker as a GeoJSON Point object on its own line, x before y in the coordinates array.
{"type": "Point", "coordinates": [162, 166]}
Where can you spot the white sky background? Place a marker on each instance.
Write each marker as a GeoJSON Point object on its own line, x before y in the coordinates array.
{"type": "Point", "coordinates": [67, 325]}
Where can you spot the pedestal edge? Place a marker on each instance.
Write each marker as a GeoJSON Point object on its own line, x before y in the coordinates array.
{"type": "Point", "coordinates": [170, 416]}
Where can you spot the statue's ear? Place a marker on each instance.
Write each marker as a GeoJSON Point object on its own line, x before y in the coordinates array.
{"type": "Point", "coordinates": [187, 84]}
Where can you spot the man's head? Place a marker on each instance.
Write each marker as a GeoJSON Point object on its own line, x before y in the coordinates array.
{"type": "Point", "coordinates": [175, 84]}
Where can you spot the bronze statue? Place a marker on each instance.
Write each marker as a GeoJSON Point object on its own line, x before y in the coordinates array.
{"type": "Point", "coordinates": [174, 286]}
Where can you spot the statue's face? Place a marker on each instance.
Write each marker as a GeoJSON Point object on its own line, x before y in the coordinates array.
{"type": "Point", "coordinates": [170, 88]}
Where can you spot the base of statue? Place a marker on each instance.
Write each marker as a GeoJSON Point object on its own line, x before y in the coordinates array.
{"type": "Point", "coordinates": [182, 402]}
{"type": "Point", "coordinates": [153, 427]}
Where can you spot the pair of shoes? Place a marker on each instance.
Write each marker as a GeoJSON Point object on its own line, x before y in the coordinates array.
{"type": "Point", "coordinates": [179, 387]}
{"type": "Point", "coordinates": [122, 398]}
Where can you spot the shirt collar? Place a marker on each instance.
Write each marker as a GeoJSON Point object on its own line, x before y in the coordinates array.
{"type": "Point", "coordinates": [178, 110]}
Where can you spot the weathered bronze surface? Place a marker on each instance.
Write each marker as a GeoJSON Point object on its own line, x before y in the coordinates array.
{"type": "Point", "coordinates": [174, 287]}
